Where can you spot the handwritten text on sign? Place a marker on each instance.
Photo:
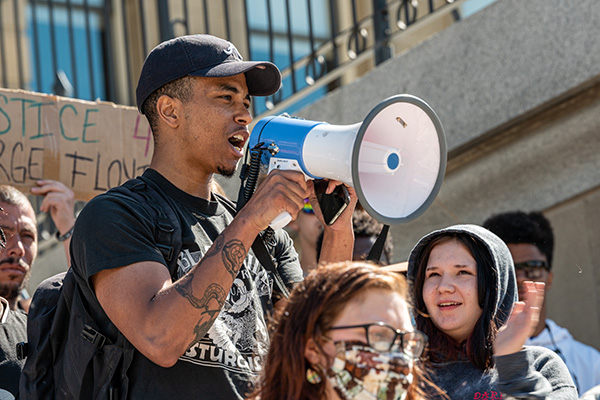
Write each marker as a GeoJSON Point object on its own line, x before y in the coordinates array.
{"type": "Point", "coordinates": [88, 146]}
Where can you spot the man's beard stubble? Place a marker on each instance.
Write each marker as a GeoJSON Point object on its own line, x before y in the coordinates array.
{"type": "Point", "coordinates": [225, 171]}
{"type": "Point", "coordinates": [12, 289]}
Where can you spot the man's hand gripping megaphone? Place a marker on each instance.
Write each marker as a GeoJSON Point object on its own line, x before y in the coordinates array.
{"type": "Point", "coordinates": [280, 197]}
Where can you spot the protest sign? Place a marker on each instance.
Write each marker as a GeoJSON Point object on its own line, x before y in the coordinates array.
{"type": "Point", "coordinates": [88, 146]}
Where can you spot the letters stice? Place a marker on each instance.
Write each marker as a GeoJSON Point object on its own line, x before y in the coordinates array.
{"type": "Point", "coordinates": [89, 146]}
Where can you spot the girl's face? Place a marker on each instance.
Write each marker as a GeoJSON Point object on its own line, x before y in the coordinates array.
{"type": "Point", "coordinates": [450, 290]}
{"type": "Point", "coordinates": [372, 307]}
{"type": "Point", "coordinates": [364, 365]}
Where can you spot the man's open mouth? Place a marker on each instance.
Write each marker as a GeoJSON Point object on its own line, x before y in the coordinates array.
{"type": "Point", "coordinates": [237, 141]}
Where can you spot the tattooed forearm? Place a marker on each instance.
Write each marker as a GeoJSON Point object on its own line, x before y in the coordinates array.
{"type": "Point", "coordinates": [216, 247]}
{"type": "Point", "coordinates": [213, 291]}
{"type": "Point", "coordinates": [233, 255]}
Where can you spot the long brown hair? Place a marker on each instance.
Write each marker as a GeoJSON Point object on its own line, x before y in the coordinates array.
{"type": "Point", "coordinates": [479, 346]}
{"type": "Point", "coordinates": [311, 310]}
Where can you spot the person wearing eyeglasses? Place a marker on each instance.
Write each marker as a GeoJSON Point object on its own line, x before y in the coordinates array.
{"type": "Point", "coordinates": [464, 290]}
{"type": "Point", "coordinates": [345, 333]}
{"type": "Point", "coordinates": [530, 239]}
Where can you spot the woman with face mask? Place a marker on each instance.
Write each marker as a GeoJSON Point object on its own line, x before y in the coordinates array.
{"type": "Point", "coordinates": [465, 293]}
{"type": "Point", "coordinates": [345, 333]}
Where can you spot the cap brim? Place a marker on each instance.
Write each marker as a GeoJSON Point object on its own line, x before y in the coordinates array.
{"type": "Point", "coordinates": [262, 77]}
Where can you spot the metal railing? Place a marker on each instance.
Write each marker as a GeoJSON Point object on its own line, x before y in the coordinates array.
{"type": "Point", "coordinates": [91, 49]}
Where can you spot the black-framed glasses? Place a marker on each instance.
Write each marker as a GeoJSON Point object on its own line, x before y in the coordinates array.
{"type": "Point", "coordinates": [384, 338]}
{"type": "Point", "coordinates": [532, 269]}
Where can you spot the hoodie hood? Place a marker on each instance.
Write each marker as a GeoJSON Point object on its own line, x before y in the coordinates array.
{"type": "Point", "coordinates": [506, 293]}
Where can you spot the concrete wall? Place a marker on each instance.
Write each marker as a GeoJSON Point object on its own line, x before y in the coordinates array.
{"type": "Point", "coordinates": [516, 88]}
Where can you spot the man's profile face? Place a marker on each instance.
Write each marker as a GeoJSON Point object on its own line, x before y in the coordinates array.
{"type": "Point", "coordinates": [19, 225]}
{"type": "Point", "coordinates": [216, 122]}
{"type": "Point", "coordinates": [524, 254]}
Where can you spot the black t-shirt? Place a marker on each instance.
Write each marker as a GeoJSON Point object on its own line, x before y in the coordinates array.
{"type": "Point", "coordinates": [13, 329]}
{"type": "Point", "coordinates": [113, 232]}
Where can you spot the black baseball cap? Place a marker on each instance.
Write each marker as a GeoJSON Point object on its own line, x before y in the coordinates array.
{"type": "Point", "coordinates": [203, 55]}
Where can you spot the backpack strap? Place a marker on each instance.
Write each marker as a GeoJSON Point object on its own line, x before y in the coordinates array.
{"type": "Point", "coordinates": [261, 252]}
{"type": "Point", "coordinates": [266, 260]}
{"type": "Point", "coordinates": [92, 324]}
{"type": "Point", "coordinates": [168, 234]}
{"type": "Point", "coordinates": [168, 238]}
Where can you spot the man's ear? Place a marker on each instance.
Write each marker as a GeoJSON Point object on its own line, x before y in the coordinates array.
{"type": "Point", "coordinates": [169, 110]}
{"type": "Point", "coordinates": [312, 352]}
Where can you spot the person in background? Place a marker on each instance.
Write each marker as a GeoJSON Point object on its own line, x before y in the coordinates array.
{"type": "Point", "coordinates": [366, 230]}
{"type": "Point", "coordinates": [305, 230]}
{"type": "Point", "coordinates": [13, 330]}
{"type": "Point", "coordinates": [19, 222]}
{"type": "Point", "coordinates": [18, 249]}
{"type": "Point", "coordinates": [345, 333]}
{"type": "Point", "coordinates": [465, 297]}
{"type": "Point", "coordinates": [530, 239]}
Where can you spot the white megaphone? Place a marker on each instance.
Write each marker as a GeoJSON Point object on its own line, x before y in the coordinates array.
{"type": "Point", "coordinates": [395, 159]}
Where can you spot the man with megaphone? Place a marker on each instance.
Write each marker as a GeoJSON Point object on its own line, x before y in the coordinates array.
{"type": "Point", "coordinates": [201, 332]}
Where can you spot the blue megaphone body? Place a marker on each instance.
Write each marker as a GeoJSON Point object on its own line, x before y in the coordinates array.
{"type": "Point", "coordinates": [395, 159]}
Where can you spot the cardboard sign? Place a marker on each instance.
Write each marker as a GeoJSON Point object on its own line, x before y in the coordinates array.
{"type": "Point", "coordinates": [88, 146]}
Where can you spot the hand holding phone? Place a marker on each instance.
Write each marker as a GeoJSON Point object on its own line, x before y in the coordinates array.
{"type": "Point", "coordinates": [333, 204]}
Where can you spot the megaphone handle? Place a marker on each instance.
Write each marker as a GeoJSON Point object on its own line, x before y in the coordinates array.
{"type": "Point", "coordinates": [281, 220]}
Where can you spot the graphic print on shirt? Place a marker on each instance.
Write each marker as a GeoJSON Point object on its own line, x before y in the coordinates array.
{"type": "Point", "coordinates": [238, 340]}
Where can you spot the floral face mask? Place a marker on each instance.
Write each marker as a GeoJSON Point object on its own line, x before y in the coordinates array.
{"type": "Point", "coordinates": [360, 372]}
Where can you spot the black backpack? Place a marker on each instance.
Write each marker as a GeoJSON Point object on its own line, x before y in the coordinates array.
{"type": "Point", "coordinates": [71, 355]}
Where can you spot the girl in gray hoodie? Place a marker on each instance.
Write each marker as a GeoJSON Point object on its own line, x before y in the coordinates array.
{"type": "Point", "coordinates": [464, 289]}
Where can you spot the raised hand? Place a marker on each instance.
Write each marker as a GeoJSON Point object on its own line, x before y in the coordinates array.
{"type": "Point", "coordinates": [338, 238]}
{"type": "Point", "coordinates": [346, 216]}
{"type": "Point", "coordinates": [522, 322]}
{"type": "Point", "coordinates": [59, 201]}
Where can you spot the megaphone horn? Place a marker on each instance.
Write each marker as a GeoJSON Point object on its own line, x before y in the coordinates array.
{"type": "Point", "coordinates": [395, 159]}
